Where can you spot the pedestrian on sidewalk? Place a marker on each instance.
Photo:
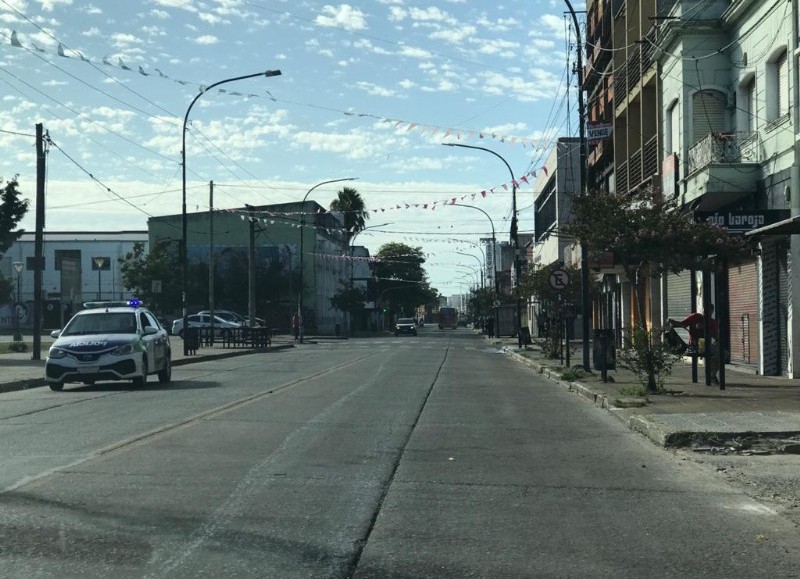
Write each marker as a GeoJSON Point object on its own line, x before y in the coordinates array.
{"type": "Point", "coordinates": [695, 323]}
{"type": "Point", "coordinates": [296, 326]}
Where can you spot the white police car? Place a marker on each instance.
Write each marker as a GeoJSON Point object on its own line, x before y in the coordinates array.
{"type": "Point", "coordinates": [109, 341]}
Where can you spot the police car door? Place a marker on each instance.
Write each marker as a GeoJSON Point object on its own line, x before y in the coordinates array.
{"type": "Point", "coordinates": [151, 342]}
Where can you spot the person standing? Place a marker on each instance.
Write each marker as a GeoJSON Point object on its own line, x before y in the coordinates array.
{"type": "Point", "coordinates": [296, 326]}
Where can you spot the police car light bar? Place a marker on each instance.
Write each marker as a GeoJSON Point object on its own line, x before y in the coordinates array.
{"type": "Point", "coordinates": [133, 303]}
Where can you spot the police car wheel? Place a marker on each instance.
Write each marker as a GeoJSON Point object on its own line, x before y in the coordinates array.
{"type": "Point", "coordinates": [165, 375]}
{"type": "Point", "coordinates": [56, 386]}
{"type": "Point", "coordinates": [141, 380]}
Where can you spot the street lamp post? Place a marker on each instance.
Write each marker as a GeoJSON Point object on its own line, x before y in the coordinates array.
{"type": "Point", "coordinates": [494, 265]}
{"type": "Point", "coordinates": [514, 234]}
{"type": "Point", "coordinates": [302, 236]}
{"type": "Point", "coordinates": [99, 263]}
{"type": "Point", "coordinates": [483, 285]}
{"type": "Point", "coordinates": [18, 269]}
{"type": "Point", "coordinates": [184, 257]}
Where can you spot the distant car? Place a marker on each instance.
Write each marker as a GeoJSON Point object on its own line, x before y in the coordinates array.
{"type": "Point", "coordinates": [221, 327]}
{"type": "Point", "coordinates": [234, 317]}
{"type": "Point", "coordinates": [109, 341]}
{"type": "Point", "coordinates": [405, 326]}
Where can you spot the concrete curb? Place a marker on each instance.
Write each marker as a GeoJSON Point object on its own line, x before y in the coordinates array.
{"type": "Point", "coordinates": [28, 383]}
{"type": "Point", "coordinates": [636, 423]}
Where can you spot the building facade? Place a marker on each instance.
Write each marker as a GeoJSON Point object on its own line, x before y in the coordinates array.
{"type": "Point", "coordinates": [306, 243]}
{"type": "Point", "coordinates": [78, 267]}
{"type": "Point", "coordinates": [704, 95]}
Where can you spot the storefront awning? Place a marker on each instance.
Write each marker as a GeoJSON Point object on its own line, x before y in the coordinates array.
{"type": "Point", "coordinates": [788, 226]}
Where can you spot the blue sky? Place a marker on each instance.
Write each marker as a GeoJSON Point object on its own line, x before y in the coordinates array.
{"type": "Point", "coordinates": [367, 90]}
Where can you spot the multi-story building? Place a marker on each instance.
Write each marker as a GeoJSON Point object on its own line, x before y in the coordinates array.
{"type": "Point", "coordinates": [729, 146]}
{"type": "Point", "coordinates": [77, 267]}
{"type": "Point", "coordinates": [703, 96]}
{"type": "Point", "coordinates": [555, 187]}
{"type": "Point", "coordinates": [303, 237]}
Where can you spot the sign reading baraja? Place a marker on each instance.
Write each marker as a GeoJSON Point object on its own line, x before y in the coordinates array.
{"type": "Point", "coordinates": [740, 222]}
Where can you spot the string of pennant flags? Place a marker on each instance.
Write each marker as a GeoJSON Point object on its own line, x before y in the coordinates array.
{"type": "Point", "coordinates": [422, 128]}
{"type": "Point", "coordinates": [270, 217]}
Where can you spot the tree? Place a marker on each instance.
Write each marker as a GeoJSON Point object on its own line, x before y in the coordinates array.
{"type": "Point", "coordinates": [139, 269]}
{"type": "Point", "coordinates": [12, 210]}
{"type": "Point", "coordinates": [648, 236]}
{"type": "Point", "coordinates": [351, 205]}
{"type": "Point", "coordinates": [402, 281]}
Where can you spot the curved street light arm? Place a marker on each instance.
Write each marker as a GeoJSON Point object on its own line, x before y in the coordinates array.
{"type": "Point", "coordinates": [302, 237]}
{"type": "Point", "coordinates": [184, 220]}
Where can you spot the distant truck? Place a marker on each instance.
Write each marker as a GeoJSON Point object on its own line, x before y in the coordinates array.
{"type": "Point", "coordinates": [448, 318]}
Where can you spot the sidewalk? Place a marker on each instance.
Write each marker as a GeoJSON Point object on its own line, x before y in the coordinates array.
{"type": "Point", "coordinates": [760, 413]}
{"type": "Point", "coordinates": [18, 371]}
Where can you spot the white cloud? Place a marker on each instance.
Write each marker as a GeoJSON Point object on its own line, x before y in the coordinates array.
{"type": "Point", "coordinates": [207, 39]}
{"type": "Point", "coordinates": [454, 35]}
{"type": "Point", "coordinates": [375, 90]}
{"type": "Point", "coordinates": [414, 52]}
{"type": "Point", "coordinates": [160, 14]}
{"type": "Point", "coordinates": [358, 144]}
{"type": "Point", "coordinates": [343, 16]}
{"type": "Point", "coordinates": [182, 4]}
{"type": "Point", "coordinates": [49, 5]}
{"type": "Point", "coordinates": [123, 40]}
{"type": "Point", "coordinates": [91, 32]}
{"type": "Point", "coordinates": [210, 18]}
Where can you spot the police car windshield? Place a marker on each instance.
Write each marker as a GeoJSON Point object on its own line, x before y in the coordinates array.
{"type": "Point", "coordinates": [102, 323]}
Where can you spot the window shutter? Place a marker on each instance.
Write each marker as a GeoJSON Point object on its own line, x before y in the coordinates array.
{"type": "Point", "coordinates": [675, 128]}
{"type": "Point", "coordinates": [783, 84]}
{"type": "Point", "coordinates": [750, 95]}
{"type": "Point", "coordinates": [708, 114]}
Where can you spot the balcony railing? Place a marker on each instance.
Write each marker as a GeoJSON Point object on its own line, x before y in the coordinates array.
{"type": "Point", "coordinates": [650, 157]}
{"type": "Point", "coordinates": [621, 175]}
{"type": "Point", "coordinates": [723, 148]}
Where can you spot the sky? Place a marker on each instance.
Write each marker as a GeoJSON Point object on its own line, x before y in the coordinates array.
{"type": "Point", "coordinates": [368, 90]}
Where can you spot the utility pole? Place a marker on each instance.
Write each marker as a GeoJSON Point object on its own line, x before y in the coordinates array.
{"type": "Point", "coordinates": [211, 250]}
{"type": "Point", "coordinates": [38, 251]}
{"type": "Point", "coordinates": [586, 304]}
{"type": "Point", "coordinates": [251, 269]}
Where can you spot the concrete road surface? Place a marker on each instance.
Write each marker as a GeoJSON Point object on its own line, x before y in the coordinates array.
{"type": "Point", "coordinates": [428, 456]}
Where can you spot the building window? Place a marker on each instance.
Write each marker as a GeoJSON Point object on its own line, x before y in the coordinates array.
{"type": "Point", "coordinates": [778, 87]}
{"type": "Point", "coordinates": [71, 254]}
{"type": "Point", "coordinates": [746, 105]}
{"type": "Point", "coordinates": [673, 131]}
{"type": "Point", "coordinates": [708, 114]}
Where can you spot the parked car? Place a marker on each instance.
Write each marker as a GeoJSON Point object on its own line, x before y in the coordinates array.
{"type": "Point", "coordinates": [405, 326]}
{"type": "Point", "coordinates": [235, 317]}
{"type": "Point", "coordinates": [109, 341]}
{"type": "Point", "coordinates": [221, 326]}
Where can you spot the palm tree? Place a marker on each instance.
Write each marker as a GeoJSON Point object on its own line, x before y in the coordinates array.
{"type": "Point", "coordinates": [351, 205]}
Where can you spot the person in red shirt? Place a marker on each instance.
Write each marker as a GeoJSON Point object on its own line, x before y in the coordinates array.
{"type": "Point", "coordinates": [695, 324]}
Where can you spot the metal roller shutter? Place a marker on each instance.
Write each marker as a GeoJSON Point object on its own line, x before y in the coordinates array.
{"type": "Point", "coordinates": [783, 307]}
{"type": "Point", "coordinates": [679, 295]}
{"type": "Point", "coordinates": [743, 313]}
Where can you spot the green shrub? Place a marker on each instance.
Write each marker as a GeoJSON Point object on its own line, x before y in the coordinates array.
{"type": "Point", "coordinates": [649, 358]}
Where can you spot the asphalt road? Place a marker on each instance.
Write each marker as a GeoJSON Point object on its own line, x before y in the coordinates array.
{"type": "Point", "coordinates": [429, 456]}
